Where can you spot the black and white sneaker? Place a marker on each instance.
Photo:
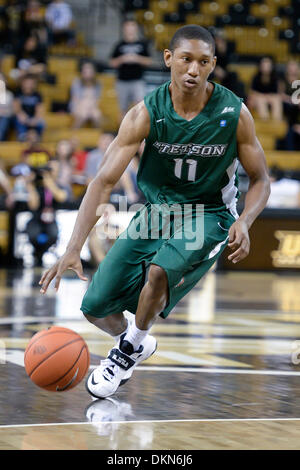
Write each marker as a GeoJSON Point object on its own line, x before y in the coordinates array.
{"type": "Point", "coordinates": [118, 367]}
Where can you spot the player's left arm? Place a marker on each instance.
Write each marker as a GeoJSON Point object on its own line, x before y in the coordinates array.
{"type": "Point", "coordinates": [252, 157]}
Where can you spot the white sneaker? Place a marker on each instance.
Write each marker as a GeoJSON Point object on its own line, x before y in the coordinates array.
{"type": "Point", "coordinates": [118, 367]}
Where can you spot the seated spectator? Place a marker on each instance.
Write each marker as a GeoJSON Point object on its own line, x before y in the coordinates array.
{"type": "Point", "coordinates": [79, 156]}
{"type": "Point", "coordinates": [292, 73]}
{"type": "Point", "coordinates": [59, 20]}
{"type": "Point", "coordinates": [125, 186]}
{"type": "Point", "coordinates": [265, 91]}
{"type": "Point", "coordinates": [28, 108]}
{"type": "Point", "coordinates": [6, 111]}
{"type": "Point", "coordinates": [63, 165]}
{"type": "Point", "coordinates": [94, 157]}
{"type": "Point", "coordinates": [31, 58]}
{"type": "Point", "coordinates": [292, 140]}
{"type": "Point", "coordinates": [285, 192]}
{"type": "Point", "coordinates": [34, 155]}
{"type": "Point", "coordinates": [85, 96]}
{"type": "Point", "coordinates": [33, 158]}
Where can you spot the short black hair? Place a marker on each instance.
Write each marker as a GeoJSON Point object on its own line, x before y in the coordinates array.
{"type": "Point", "coordinates": [192, 31]}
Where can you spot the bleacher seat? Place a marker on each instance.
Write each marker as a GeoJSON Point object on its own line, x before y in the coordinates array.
{"type": "Point", "coordinates": [4, 231]}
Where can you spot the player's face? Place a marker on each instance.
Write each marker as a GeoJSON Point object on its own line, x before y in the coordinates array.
{"type": "Point", "coordinates": [191, 63]}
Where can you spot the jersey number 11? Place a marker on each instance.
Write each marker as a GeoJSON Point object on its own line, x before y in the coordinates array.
{"type": "Point", "coordinates": [191, 171]}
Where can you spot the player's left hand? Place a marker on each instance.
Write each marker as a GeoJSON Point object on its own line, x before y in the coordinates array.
{"type": "Point", "coordinates": [239, 241]}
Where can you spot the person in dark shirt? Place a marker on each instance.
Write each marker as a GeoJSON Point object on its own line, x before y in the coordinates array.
{"type": "Point", "coordinates": [264, 91]}
{"type": "Point", "coordinates": [28, 108]}
{"type": "Point", "coordinates": [31, 57]}
{"type": "Point", "coordinates": [130, 57]}
{"type": "Point", "coordinates": [225, 77]}
{"type": "Point", "coordinates": [287, 90]}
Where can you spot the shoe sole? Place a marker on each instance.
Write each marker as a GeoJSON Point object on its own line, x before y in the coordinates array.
{"type": "Point", "coordinates": [121, 383]}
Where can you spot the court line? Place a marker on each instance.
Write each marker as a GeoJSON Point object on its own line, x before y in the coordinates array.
{"type": "Point", "coordinates": [195, 420]}
{"type": "Point", "coordinates": [17, 357]}
{"type": "Point", "coordinates": [213, 370]}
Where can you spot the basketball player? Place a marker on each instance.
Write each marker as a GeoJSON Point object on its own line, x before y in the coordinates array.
{"type": "Point", "coordinates": [195, 132]}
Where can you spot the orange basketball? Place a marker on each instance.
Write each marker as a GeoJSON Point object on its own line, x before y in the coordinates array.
{"type": "Point", "coordinates": [56, 359]}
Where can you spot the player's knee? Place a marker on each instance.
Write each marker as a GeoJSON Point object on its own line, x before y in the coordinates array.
{"type": "Point", "coordinates": [157, 278]}
{"type": "Point", "coordinates": [97, 307]}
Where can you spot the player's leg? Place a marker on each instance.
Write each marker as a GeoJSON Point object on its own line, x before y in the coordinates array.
{"type": "Point", "coordinates": [116, 287]}
{"type": "Point", "coordinates": [152, 301]}
{"type": "Point", "coordinates": [114, 325]}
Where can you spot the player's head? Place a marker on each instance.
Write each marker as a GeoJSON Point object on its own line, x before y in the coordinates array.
{"type": "Point", "coordinates": [191, 56]}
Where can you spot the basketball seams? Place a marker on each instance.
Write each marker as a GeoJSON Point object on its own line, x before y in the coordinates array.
{"type": "Point", "coordinates": [77, 359]}
{"type": "Point", "coordinates": [53, 352]}
{"type": "Point", "coordinates": [43, 336]}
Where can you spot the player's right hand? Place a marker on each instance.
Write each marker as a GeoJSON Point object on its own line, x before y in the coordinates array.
{"type": "Point", "coordinates": [70, 260]}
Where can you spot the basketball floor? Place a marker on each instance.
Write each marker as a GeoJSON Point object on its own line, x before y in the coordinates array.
{"type": "Point", "coordinates": [225, 374]}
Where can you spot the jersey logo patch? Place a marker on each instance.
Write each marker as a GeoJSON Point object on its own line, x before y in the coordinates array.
{"type": "Point", "coordinates": [223, 123]}
{"type": "Point", "coordinates": [228, 109]}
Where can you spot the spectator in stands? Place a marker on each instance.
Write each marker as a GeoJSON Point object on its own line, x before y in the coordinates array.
{"type": "Point", "coordinates": [265, 91]}
{"type": "Point", "coordinates": [291, 74]}
{"type": "Point", "coordinates": [6, 110]}
{"type": "Point", "coordinates": [31, 58]}
{"type": "Point", "coordinates": [285, 191]}
{"type": "Point", "coordinates": [227, 78]}
{"type": "Point", "coordinates": [28, 108]}
{"type": "Point", "coordinates": [85, 96]}
{"type": "Point", "coordinates": [79, 155]}
{"type": "Point", "coordinates": [42, 229]}
{"type": "Point", "coordinates": [292, 140]}
{"type": "Point", "coordinates": [95, 157]}
{"type": "Point", "coordinates": [125, 187]}
{"type": "Point", "coordinates": [63, 165]}
{"type": "Point", "coordinates": [34, 155]}
{"type": "Point", "coordinates": [130, 57]}
{"type": "Point", "coordinates": [39, 190]}
{"type": "Point", "coordinates": [5, 186]}
{"type": "Point", "coordinates": [34, 15]}
{"type": "Point", "coordinates": [59, 20]}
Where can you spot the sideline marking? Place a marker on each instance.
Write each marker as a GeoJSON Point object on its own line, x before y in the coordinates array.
{"type": "Point", "coordinates": [214, 420]}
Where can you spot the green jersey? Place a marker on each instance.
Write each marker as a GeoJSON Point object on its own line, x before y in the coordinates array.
{"type": "Point", "coordinates": [191, 161]}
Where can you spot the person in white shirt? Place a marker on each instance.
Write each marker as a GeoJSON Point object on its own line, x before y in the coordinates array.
{"type": "Point", "coordinates": [285, 192]}
{"type": "Point", "coordinates": [59, 19]}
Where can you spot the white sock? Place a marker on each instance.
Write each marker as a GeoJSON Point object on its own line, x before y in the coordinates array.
{"type": "Point", "coordinates": [135, 336]}
{"type": "Point", "coordinates": [116, 338]}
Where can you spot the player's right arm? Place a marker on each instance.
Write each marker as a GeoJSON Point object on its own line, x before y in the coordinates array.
{"type": "Point", "coordinates": [134, 129]}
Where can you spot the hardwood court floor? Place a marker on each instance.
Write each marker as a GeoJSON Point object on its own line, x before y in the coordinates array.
{"type": "Point", "coordinates": [225, 375]}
